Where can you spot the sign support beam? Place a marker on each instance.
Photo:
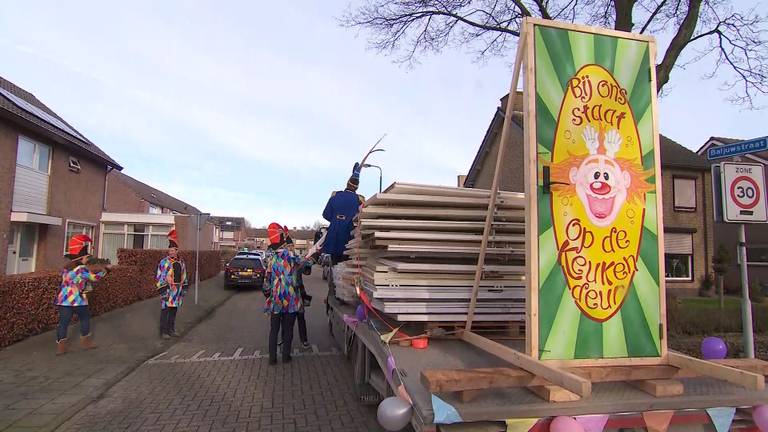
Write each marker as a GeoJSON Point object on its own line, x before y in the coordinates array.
{"type": "Point", "coordinates": [746, 304]}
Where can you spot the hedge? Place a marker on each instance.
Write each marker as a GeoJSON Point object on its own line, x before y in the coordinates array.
{"type": "Point", "coordinates": [28, 306]}
{"type": "Point", "coordinates": [687, 320]}
{"type": "Point", "coordinates": [146, 262]}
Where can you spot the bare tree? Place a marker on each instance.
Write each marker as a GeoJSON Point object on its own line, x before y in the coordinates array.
{"type": "Point", "coordinates": [318, 223]}
{"type": "Point", "coordinates": [733, 38]}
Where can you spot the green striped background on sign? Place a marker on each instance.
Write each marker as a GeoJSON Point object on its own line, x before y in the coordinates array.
{"type": "Point", "coordinates": [565, 332]}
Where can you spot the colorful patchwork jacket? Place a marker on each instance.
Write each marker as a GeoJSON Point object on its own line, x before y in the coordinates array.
{"type": "Point", "coordinates": [73, 285]}
{"type": "Point", "coordinates": [171, 293]}
{"type": "Point", "coordinates": [283, 294]}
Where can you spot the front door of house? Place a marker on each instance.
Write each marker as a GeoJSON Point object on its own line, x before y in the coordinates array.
{"type": "Point", "coordinates": [11, 258]}
{"type": "Point", "coordinates": [22, 246]}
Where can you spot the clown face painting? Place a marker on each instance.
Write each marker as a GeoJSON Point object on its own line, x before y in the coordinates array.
{"type": "Point", "coordinates": [600, 182]}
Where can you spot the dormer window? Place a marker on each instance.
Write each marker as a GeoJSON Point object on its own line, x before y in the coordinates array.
{"type": "Point", "coordinates": [74, 164]}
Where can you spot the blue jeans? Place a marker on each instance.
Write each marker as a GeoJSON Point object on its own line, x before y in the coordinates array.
{"type": "Point", "coordinates": [65, 316]}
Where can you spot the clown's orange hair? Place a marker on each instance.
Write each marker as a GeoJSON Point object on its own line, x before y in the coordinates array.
{"type": "Point", "coordinates": [638, 184]}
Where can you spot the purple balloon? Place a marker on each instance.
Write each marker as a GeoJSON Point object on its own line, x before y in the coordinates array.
{"type": "Point", "coordinates": [361, 313]}
{"type": "Point", "coordinates": [565, 424]}
{"type": "Point", "coordinates": [760, 417]}
{"type": "Point", "coordinates": [713, 348]}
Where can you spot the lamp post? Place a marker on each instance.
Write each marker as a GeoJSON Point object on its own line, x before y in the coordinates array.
{"type": "Point", "coordinates": [380, 174]}
{"type": "Point", "coordinates": [197, 253]}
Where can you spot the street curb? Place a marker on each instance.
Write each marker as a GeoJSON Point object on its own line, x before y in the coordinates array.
{"type": "Point", "coordinates": [101, 390]}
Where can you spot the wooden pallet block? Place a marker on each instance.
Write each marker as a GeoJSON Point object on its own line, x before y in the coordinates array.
{"type": "Point", "coordinates": [660, 387]}
{"type": "Point", "coordinates": [505, 330]}
{"type": "Point", "coordinates": [553, 393]}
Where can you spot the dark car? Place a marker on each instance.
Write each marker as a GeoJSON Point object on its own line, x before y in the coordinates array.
{"type": "Point", "coordinates": [244, 271]}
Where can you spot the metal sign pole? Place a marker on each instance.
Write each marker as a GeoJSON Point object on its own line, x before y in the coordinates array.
{"type": "Point", "coordinates": [746, 304]}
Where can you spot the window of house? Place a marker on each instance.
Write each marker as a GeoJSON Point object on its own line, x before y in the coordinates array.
{"type": "Point", "coordinates": [757, 255]}
{"type": "Point", "coordinates": [153, 209]}
{"type": "Point", "coordinates": [678, 256]}
{"type": "Point", "coordinates": [132, 236]}
{"type": "Point", "coordinates": [74, 164]}
{"type": "Point", "coordinates": [684, 192]}
{"type": "Point", "coordinates": [78, 228]}
{"type": "Point", "coordinates": [33, 155]}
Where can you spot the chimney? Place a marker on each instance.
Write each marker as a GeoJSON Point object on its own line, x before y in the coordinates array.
{"type": "Point", "coordinates": [461, 179]}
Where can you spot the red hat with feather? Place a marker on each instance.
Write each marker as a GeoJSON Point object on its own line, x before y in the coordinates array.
{"type": "Point", "coordinates": [173, 239]}
{"type": "Point", "coordinates": [276, 234]}
{"type": "Point", "coordinates": [78, 246]}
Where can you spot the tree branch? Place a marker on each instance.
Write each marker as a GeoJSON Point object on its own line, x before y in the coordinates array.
{"type": "Point", "coordinates": [543, 10]}
{"type": "Point", "coordinates": [653, 15]}
{"type": "Point", "coordinates": [678, 43]}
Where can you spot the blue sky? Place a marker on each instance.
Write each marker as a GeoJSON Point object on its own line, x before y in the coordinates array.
{"type": "Point", "coordinates": [260, 110]}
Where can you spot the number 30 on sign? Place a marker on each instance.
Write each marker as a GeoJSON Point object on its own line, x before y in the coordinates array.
{"type": "Point", "coordinates": [744, 197]}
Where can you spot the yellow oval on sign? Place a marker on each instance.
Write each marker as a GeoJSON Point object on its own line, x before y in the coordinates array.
{"type": "Point", "coordinates": [599, 207]}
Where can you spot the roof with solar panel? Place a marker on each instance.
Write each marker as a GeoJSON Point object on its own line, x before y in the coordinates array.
{"type": "Point", "coordinates": [23, 107]}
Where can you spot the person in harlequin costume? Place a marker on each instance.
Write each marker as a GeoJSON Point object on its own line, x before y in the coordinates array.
{"type": "Point", "coordinates": [306, 299]}
{"type": "Point", "coordinates": [283, 296]}
{"type": "Point", "coordinates": [171, 280]}
{"type": "Point", "coordinates": [72, 299]}
{"type": "Point", "coordinates": [340, 211]}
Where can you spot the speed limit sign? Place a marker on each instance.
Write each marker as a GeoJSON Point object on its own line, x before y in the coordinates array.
{"type": "Point", "coordinates": [744, 197]}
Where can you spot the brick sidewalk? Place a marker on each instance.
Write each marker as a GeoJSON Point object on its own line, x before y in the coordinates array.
{"type": "Point", "coordinates": [217, 378]}
{"type": "Point", "coordinates": [312, 393]}
{"type": "Point", "coordinates": [39, 391]}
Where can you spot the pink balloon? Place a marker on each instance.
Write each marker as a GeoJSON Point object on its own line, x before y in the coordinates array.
{"type": "Point", "coordinates": [760, 417]}
{"type": "Point", "coordinates": [565, 424]}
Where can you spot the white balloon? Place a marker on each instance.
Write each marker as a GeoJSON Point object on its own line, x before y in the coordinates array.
{"type": "Point", "coordinates": [394, 413]}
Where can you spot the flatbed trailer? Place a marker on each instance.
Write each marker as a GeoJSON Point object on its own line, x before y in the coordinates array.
{"type": "Point", "coordinates": [488, 409]}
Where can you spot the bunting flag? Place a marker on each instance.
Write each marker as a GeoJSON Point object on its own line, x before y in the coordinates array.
{"type": "Point", "coordinates": [402, 393]}
{"type": "Point", "coordinates": [722, 417]}
{"type": "Point", "coordinates": [390, 367]}
{"type": "Point", "coordinates": [365, 299]}
{"type": "Point", "coordinates": [521, 424]}
{"type": "Point", "coordinates": [386, 337]}
{"type": "Point", "coordinates": [593, 423]}
{"type": "Point", "coordinates": [444, 412]}
{"type": "Point", "coordinates": [657, 421]}
{"type": "Point", "coordinates": [350, 320]}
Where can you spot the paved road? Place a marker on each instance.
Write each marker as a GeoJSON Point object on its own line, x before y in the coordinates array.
{"type": "Point", "coordinates": [39, 390]}
{"type": "Point", "coordinates": [217, 378]}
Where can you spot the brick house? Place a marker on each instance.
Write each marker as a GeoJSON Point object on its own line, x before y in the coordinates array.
{"type": "Point", "coordinates": [138, 216]}
{"type": "Point", "coordinates": [232, 234]}
{"type": "Point", "coordinates": [686, 182]}
{"type": "Point", "coordinates": [303, 239]}
{"type": "Point", "coordinates": [52, 183]}
{"type": "Point", "coordinates": [727, 234]}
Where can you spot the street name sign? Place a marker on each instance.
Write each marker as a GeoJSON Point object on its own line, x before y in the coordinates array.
{"type": "Point", "coordinates": [744, 199]}
{"type": "Point", "coordinates": [739, 148]}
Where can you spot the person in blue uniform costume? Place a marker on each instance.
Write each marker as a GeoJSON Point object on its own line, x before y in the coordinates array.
{"type": "Point", "coordinates": [340, 212]}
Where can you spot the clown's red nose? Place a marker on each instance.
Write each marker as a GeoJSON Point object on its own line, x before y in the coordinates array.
{"type": "Point", "coordinates": [600, 188]}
